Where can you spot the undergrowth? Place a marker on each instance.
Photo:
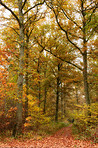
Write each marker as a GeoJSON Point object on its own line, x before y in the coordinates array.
{"type": "Point", "coordinates": [36, 134]}
{"type": "Point", "coordinates": [88, 134]}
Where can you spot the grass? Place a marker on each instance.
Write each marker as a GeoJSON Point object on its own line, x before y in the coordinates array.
{"type": "Point", "coordinates": [54, 126]}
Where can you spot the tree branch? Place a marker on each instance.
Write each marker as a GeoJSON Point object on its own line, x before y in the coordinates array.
{"type": "Point", "coordinates": [64, 60]}
{"type": "Point", "coordinates": [69, 18]}
{"type": "Point", "coordinates": [67, 34]}
{"type": "Point", "coordinates": [92, 14]}
{"type": "Point", "coordinates": [11, 28]}
{"type": "Point", "coordinates": [6, 7]}
{"type": "Point", "coordinates": [43, 48]}
{"type": "Point", "coordinates": [24, 4]}
{"type": "Point", "coordinates": [92, 32]}
{"type": "Point", "coordinates": [33, 7]}
{"type": "Point", "coordinates": [56, 16]}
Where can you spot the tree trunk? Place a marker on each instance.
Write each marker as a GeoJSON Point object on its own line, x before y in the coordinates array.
{"type": "Point", "coordinates": [62, 102]}
{"type": "Point", "coordinates": [26, 79]}
{"type": "Point", "coordinates": [21, 66]}
{"type": "Point", "coordinates": [85, 76]}
{"type": "Point", "coordinates": [45, 93]}
{"type": "Point", "coordinates": [39, 93]}
{"type": "Point", "coordinates": [45, 87]}
{"type": "Point", "coordinates": [57, 95]}
{"type": "Point", "coordinates": [39, 87]}
{"type": "Point", "coordinates": [77, 99]}
{"type": "Point", "coordinates": [85, 79]}
{"type": "Point", "coordinates": [64, 108]}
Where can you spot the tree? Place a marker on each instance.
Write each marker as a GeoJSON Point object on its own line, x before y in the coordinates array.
{"type": "Point", "coordinates": [20, 19]}
{"type": "Point", "coordinates": [66, 11]}
{"type": "Point", "coordinates": [56, 46]}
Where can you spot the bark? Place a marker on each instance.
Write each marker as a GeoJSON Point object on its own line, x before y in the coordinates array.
{"type": "Point", "coordinates": [57, 100]}
{"type": "Point", "coordinates": [39, 88]}
{"type": "Point", "coordinates": [57, 95]}
{"type": "Point", "coordinates": [85, 76]}
{"type": "Point", "coordinates": [45, 93]}
{"type": "Point", "coordinates": [45, 98]}
{"type": "Point", "coordinates": [61, 102]}
{"type": "Point", "coordinates": [64, 101]}
{"type": "Point", "coordinates": [26, 79]}
{"type": "Point", "coordinates": [86, 90]}
{"type": "Point", "coordinates": [14, 130]}
{"type": "Point", "coordinates": [21, 66]}
{"type": "Point", "coordinates": [64, 108]}
{"type": "Point", "coordinates": [77, 99]}
{"type": "Point", "coordinates": [39, 93]}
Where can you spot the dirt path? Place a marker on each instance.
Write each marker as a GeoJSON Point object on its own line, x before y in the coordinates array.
{"type": "Point", "coordinates": [61, 139]}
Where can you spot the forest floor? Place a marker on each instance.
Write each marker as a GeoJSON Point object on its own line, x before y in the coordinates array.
{"type": "Point", "coordinates": [61, 139]}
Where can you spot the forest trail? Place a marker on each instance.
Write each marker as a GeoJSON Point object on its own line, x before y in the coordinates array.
{"type": "Point", "coordinates": [61, 139]}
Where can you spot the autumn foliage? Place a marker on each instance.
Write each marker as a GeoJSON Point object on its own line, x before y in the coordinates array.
{"type": "Point", "coordinates": [48, 67]}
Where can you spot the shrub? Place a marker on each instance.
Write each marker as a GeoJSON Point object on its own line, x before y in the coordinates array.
{"type": "Point", "coordinates": [86, 118]}
{"type": "Point", "coordinates": [36, 118]}
{"type": "Point", "coordinates": [7, 121]}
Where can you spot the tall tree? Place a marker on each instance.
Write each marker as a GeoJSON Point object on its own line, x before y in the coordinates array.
{"type": "Point", "coordinates": [65, 13]}
{"type": "Point", "coordinates": [20, 4]}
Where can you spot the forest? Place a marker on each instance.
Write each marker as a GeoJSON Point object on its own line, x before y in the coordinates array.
{"type": "Point", "coordinates": [48, 69]}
